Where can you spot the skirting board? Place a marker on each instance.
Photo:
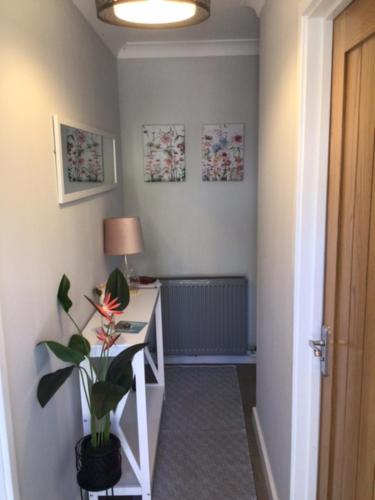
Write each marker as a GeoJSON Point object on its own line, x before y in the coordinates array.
{"type": "Point", "coordinates": [210, 360]}
{"type": "Point", "coordinates": [266, 465]}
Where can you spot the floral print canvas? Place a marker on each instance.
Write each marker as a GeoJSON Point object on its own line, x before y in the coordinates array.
{"type": "Point", "coordinates": [164, 153]}
{"type": "Point", "coordinates": [84, 155]}
{"type": "Point", "coordinates": [223, 152]}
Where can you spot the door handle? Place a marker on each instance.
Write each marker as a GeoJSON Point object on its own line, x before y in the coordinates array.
{"type": "Point", "coordinates": [316, 346]}
{"type": "Point", "coordinates": [320, 349]}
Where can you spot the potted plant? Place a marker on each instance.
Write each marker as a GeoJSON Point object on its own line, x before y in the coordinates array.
{"type": "Point", "coordinates": [106, 382]}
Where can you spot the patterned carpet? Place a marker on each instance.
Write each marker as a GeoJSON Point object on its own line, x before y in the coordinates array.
{"type": "Point", "coordinates": [203, 452]}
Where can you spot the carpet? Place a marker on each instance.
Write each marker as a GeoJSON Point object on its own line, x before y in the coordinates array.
{"type": "Point", "coordinates": [203, 452]}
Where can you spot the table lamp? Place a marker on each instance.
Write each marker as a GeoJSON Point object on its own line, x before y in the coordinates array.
{"type": "Point", "coordinates": [123, 236]}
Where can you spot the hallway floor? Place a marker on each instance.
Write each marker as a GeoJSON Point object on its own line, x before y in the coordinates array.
{"type": "Point", "coordinates": [246, 376]}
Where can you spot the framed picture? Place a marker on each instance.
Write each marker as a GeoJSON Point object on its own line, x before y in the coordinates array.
{"type": "Point", "coordinates": [223, 152]}
{"type": "Point", "coordinates": [85, 160]}
{"type": "Point", "coordinates": [164, 153]}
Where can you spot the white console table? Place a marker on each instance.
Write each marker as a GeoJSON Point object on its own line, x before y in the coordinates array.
{"type": "Point", "coordinates": [136, 421]}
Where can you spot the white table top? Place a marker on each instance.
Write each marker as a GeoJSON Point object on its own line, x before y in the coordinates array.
{"type": "Point", "coordinates": [141, 308]}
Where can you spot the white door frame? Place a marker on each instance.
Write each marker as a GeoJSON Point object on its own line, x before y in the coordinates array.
{"type": "Point", "coordinates": [8, 468]}
{"type": "Point", "coordinates": [315, 96]}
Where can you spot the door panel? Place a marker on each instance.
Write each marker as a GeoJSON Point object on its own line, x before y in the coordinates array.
{"type": "Point", "coordinates": [347, 440]}
{"type": "Point", "coordinates": [344, 335]}
{"type": "Point", "coordinates": [355, 390]}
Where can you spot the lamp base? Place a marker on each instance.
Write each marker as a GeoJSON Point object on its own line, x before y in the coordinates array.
{"type": "Point", "coordinates": [130, 275]}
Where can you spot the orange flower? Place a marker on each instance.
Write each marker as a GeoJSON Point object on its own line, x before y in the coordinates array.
{"type": "Point", "coordinates": [109, 308]}
{"type": "Point", "coordinates": [108, 340]}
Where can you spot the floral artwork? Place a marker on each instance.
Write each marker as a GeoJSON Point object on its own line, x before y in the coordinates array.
{"type": "Point", "coordinates": [84, 155]}
{"type": "Point", "coordinates": [223, 152]}
{"type": "Point", "coordinates": [164, 153]}
{"type": "Point", "coordinates": [85, 160]}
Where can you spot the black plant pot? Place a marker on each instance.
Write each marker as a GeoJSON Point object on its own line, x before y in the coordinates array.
{"type": "Point", "coordinates": [98, 469]}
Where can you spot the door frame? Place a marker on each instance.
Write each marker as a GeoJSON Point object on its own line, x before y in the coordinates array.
{"type": "Point", "coordinates": [9, 488]}
{"type": "Point", "coordinates": [315, 60]}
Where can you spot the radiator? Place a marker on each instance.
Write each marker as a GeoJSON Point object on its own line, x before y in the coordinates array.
{"type": "Point", "coordinates": [204, 316]}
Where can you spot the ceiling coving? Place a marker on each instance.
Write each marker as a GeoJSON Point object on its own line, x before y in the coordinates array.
{"type": "Point", "coordinates": [153, 14]}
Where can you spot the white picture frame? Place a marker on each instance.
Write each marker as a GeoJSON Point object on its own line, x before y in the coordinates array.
{"type": "Point", "coordinates": [85, 160]}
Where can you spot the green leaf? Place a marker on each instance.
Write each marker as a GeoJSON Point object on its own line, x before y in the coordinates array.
{"type": "Point", "coordinates": [62, 294]}
{"type": "Point", "coordinates": [123, 377]}
{"type": "Point", "coordinates": [64, 353]}
{"type": "Point", "coordinates": [119, 368]}
{"type": "Point", "coordinates": [105, 397]}
{"type": "Point", "coordinates": [80, 344]}
{"type": "Point", "coordinates": [49, 384]}
{"type": "Point", "coordinates": [118, 287]}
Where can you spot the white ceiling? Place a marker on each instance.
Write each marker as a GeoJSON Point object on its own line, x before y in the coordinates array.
{"type": "Point", "coordinates": [229, 20]}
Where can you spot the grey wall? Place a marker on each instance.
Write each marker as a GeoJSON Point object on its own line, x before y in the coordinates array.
{"type": "Point", "coordinates": [51, 62]}
{"type": "Point", "coordinates": [194, 227]}
{"type": "Point", "coordinates": [277, 186]}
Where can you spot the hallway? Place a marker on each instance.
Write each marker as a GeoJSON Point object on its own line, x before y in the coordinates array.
{"type": "Point", "coordinates": [206, 421]}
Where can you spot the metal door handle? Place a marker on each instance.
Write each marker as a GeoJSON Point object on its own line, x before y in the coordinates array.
{"type": "Point", "coordinates": [316, 346]}
{"type": "Point", "coordinates": [320, 349]}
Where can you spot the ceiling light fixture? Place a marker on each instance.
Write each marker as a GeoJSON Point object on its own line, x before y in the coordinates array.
{"type": "Point", "coordinates": [154, 14]}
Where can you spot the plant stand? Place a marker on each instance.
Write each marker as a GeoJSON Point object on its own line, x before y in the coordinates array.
{"type": "Point", "coordinates": [136, 421]}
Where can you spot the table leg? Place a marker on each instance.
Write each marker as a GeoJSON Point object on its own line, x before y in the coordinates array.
{"type": "Point", "coordinates": [159, 342]}
{"type": "Point", "coordinates": [86, 417]}
{"type": "Point", "coordinates": [144, 454]}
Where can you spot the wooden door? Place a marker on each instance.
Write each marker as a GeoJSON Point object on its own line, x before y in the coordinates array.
{"type": "Point", "coordinates": [347, 435]}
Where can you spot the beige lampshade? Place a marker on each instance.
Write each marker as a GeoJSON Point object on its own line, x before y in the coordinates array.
{"type": "Point", "coordinates": [123, 236]}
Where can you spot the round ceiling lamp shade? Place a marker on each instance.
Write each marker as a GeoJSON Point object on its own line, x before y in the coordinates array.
{"type": "Point", "coordinates": [153, 14]}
